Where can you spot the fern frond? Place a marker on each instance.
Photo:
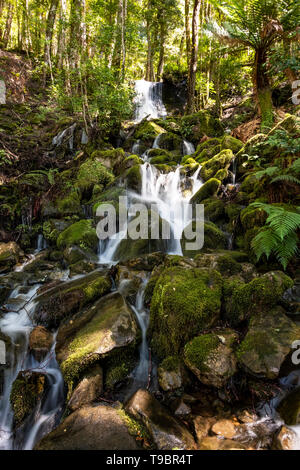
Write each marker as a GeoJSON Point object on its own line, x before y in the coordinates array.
{"type": "Point", "coordinates": [287, 178]}
{"type": "Point", "coordinates": [270, 171]}
{"type": "Point", "coordinates": [286, 250]}
{"type": "Point", "coordinates": [264, 242]}
{"type": "Point", "coordinates": [283, 222]}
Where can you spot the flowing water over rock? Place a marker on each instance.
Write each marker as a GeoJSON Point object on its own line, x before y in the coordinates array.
{"type": "Point", "coordinates": [149, 100]}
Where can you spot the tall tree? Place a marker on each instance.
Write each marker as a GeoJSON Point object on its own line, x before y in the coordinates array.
{"type": "Point", "coordinates": [49, 34]}
{"type": "Point", "coordinates": [194, 58]}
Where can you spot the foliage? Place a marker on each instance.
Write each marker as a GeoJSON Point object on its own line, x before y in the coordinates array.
{"type": "Point", "coordinates": [279, 235]}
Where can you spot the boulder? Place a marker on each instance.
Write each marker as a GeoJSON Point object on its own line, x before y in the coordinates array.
{"type": "Point", "coordinates": [220, 161]}
{"type": "Point", "coordinates": [289, 408]}
{"type": "Point", "coordinates": [74, 254]}
{"type": "Point", "coordinates": [40, 342]}
{"type": "Point", "coordinates": [207, 190]}
{"type": "Point", "coordinates": [81, 234]}
{"type": "Point", "coordinates": [10, 254]}
{"type": "Point", "coordinates": [166, 432]}
{"type": "Point", "coordinates": [225, 428]}
{"type": "Point", "coordinates": [202, 426]}
{"type": "Point", "coordinates": [110, 159]}
{"type": "Point", "coordinates": [201, 124]}
{"type": "Point", "coordinates": [185, 301]}
{"type": "Point", "coordinates": [212, 361]}
{"type": "Point", "coordinates": [170, 374]}
{"type": "Point", "coordinates": [268, 343]}
{"type": "Point", "coordinates": [215, 443]}
{"type": "Point", "coordinates": [91, 428]}
{"type": "Point", "coordinates": [101, 331]}
{"type": "Point", "coordinates": [285, 439]}
{"type": "Point", "coordinates": [64, 300]}
{"type": "Point", "coordinates": [88, 389]}
{"type": "Point", "coordinates": [26, 393]}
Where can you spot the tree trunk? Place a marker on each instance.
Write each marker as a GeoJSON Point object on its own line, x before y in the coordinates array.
{"type": "Point", "coordinates": [49, 36]}
{"type": "Point", "coordinates": [187, 30]}
{"type": "Point", "coordinates": [61, 47]}
{"type": "Point", "coordinates": [193, 60]}
{"type": "Point", "coordinates": [161, 62]}
{"type": "Point", "coordinates": [262, 90]}
{"type": "Point", "coordinates": [9, 18]}
{"type": "Point", "coordinates": [75, 39]}
{"type": "Point", "coordinates": [123, 35]}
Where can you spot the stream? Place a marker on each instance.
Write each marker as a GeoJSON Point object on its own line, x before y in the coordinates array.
{"type": "Point", "coordinates": [170, 194]}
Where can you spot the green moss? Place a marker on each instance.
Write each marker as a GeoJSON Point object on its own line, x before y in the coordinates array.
{"type": "Point", "coordinates": [214, 209]}
{"type": "Point", "coordinates": [266, 109]}
{"type": "Point", "coordinates": [148, 130]}
{"type": "Point", "coordinates": [252, 217]}
{"type": "Point", "coordinates": [171, 363]}
{"type": "Point", "coordinates": [70, 204]}
{"type": "Point", "coordinates": [220, 161]}
{"type": "Point", "coordinates": [229, 142]}
{"type": "Point", "coordinates": [209, 189]}
{"type": "Point", "coordinates": [207, 154]}
{"type": "Point", "coordinates": [25, 394]}
{"type": "Point", "coordinates": [209, 143]}
{"type": "Point", "coordinates": [197, 351]}
{"type": "Point", "coordinates": [256, 296]}
{"type": "Point", "coordinates": [222, 174]}
{"type": "Point", "coordinates": [169, 141]}
{"type": "Point", "coordinates": [227, 265]}
{"type": "Point", "coordinates": [81, 234]}
{"type": "Point", "coordinates": [92, 172]}
{"type": "Point", "coordinates": [184, 302]}
{"type": "Point", "coordinates": [135, 428]}
{"type": "Point", "coordinates": [134, 178]}
{"type": "Point", "coordinates": [195, 126]}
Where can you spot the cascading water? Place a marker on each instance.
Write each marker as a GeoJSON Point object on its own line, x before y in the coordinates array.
{"type": "Point", "coordinates": [149, 102]}
{"type": "Point", "coordinates": [188, 148]}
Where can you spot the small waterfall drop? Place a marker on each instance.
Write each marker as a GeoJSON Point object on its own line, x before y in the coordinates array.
{"type": "Point", "coordinates": [149, 102]}
{"type": "Point", "coordinates": [188, 148]}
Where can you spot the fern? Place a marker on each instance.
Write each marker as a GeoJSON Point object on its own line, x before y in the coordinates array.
{"type": "Point", "coordinates": [279, 235]}
{"type": "Point", "coordinates": [287, 178]}
{"type": "Point", "coordinates": [270, 171]}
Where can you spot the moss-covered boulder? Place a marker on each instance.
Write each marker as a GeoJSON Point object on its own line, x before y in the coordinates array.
{"type": "Point", "coordinates": [252, 217]}
{"type": "Point", "coordinates": [229, 142]}
{"type": "Point", "coordinates": [93, 428]}
{"type": "Point", "coordinates": [171, 142]}
{"type": "Point", "coordinates": [81, 234]}
{"type": "Point", "coordinates": [94, 171]}
{"type": "Point", "coordinates": [195, 126]}
{"type": "Point", "coordinates": [220, 161]}
{"type": "Point", "coordinates": [214, 209]}
{"type": "Point", "coordinates": [104, 329]}
{"type": "Point", "coordinates": [88, 389]}
{"type": "Point", "coordinates": [133, 178]}
{"type": "Point", "coordinates": [209, 189]}
{"type": "Point", "coordinates": [211, 359]}
{"type": "Point", "coordinates": [27, 392]}
{"type": "Point", "coordinates": [52, 228]}
{"type": "Point", "coordinates": [10, 254]}
{"type": "Point", "coordinates": [64, 300]}
{"type": "Point", "coordinates": [260, 295]}
{"type": "Point", "coordinates": [74, 254]}
{"type": "Point", "coordinates": [214, 238]}
{"type": "Point", "coordinates": [64, 205]}
{"type": "Point", "coordinates": [268, 343]}
{"type": "Point", "coordinates": [171, 374]}
{"type": "Point", "coordinates": [166, 432]}
{"type": "Point", "coordinates": [129, 162]}
{"type": "Point", "coordinates": [148, 131]}
{"type": "Point", "coordinates": [184, 303]}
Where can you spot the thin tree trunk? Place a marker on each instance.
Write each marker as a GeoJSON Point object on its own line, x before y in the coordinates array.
{"type": "Point", "coordinates": [262, 90]}
{"type": "Point", "coordinates": [193, 60]}
{"type": "Point", "coordinates": [9, 18]}
{"type": "Point", "coordinates": [61, 48]}
{"type": "Point", "coordinates": [161, 61]}
{"type": "Point", "coordinates": [48, 38]}
{"type": "Point", "coordinates": [187, 30]}
{"type": "Point", "coordinates": [123, 35]}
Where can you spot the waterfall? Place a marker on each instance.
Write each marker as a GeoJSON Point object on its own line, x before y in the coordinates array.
{"type": "Point", "coordinates": [41, 243]}
{"type": "Point", "coordinates": [149, 102]}
{"type": "Point", "coordinates": [188, 148]}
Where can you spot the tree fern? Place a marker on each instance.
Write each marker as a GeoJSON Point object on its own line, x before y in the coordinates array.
{"type": "Point", "coordinates": [279, 235]}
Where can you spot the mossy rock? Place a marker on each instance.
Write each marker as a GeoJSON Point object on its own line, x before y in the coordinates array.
{"type": "Point", "coordinates": [214, 238]}
{"type": "Point", "coordinates": [81, 234]}
{"type": "Point", "coordinates": [171, 142]}
{"type": "Point", "coordinates": [229, 142]}
{"type": "Point", "coordinates": [27, 391]}
{"type": "Point", "coordinates": [268, 343]}
{"type": "Point", "coordinates": [220, 161]}
{"type": "Point", "coordinates": [10, 254]}
{"type": "Point", "coordinates": [129, 162]}
{"type": "Point", "coordinates": [111, 159]}
{"type": "Point", "coordinates": [263, 293]}
{"type": "Point", "coordinates": [133, 178]}
{"type": "Point", "coordinates": [252, 217]}
{"type": "Point", "coordinates": [68, 204]}
{"type": "Point", "coordinates": [207, 190]}
{"type": "Point", "coordinates": [159, 153]}
{"type": "Point", "coordinates": [184, 302]}
{"type": "Point", "coordinates": [92, 172]}
{"type": "Point", "coordinates": [195, 126]}
{"type": "Point", "coordinates": [108, 327]}
{"type": "Point", "coordinates": [214, 209]}
{"type": "Point", "coordinates": [171, 374]}
{"type": "Point", "coordinates": [208, 144]}
{"type": "Point", "coordinates": [52, 228]}
{"type": "Point", "coordinates": [212, 361]}
{"type": "Point", "coordinates": [148, 131]}
{"type": "Point", "coordinates": [66, 299]}
{"type": "Point", "coordinates": [207, 154]}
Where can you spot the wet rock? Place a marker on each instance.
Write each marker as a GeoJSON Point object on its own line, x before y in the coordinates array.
{"type": "Point", "coordinates": [180, 408]}
{"type": "Point", "coordinates": [212, 361]}
{"type": "Point", "coordinates": [146, 262]}
{"type": "Point", "coordinates": [215, 443]}
{"type": "Point", "coordinates": [10, 254]}
{"type": "Point", "coordinates": [202, 426]}
{"type": "Point", "coordinates": [80, 233]}
{"type": "Point", "coordinates": [64, 300]}
{"type": "Point", "coordinates": [108, 327]}
{"type": "Point", "coordinates": [289, 408]}
{"type": "Point", "coordinates": [267, 343]}
{"type": "Point", "coordinates": [88, 389]}
{"type": "Point", "coordinates": [184, 302]}
{"type": "Point", "coordinates": [225, 428]}
{"type": "Point", "coordinates": [284, 439]}
{"type": "Point", "coordinates": [128, 282]}
{"type": "Point", "coordinates": [167, 433]}
{"type": "Point", "coordinates": [73, 254]}
{"type": "Point", "coordinates": [170, 374]}
{"type": "Point", "coordinates": [82, 267]}
{"type": "Point", "coordinates": [27, 391]}
{"type": "Point", "coordinates": [91, 428]}
{"type": "Point", "coordinates": [40, 342]}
